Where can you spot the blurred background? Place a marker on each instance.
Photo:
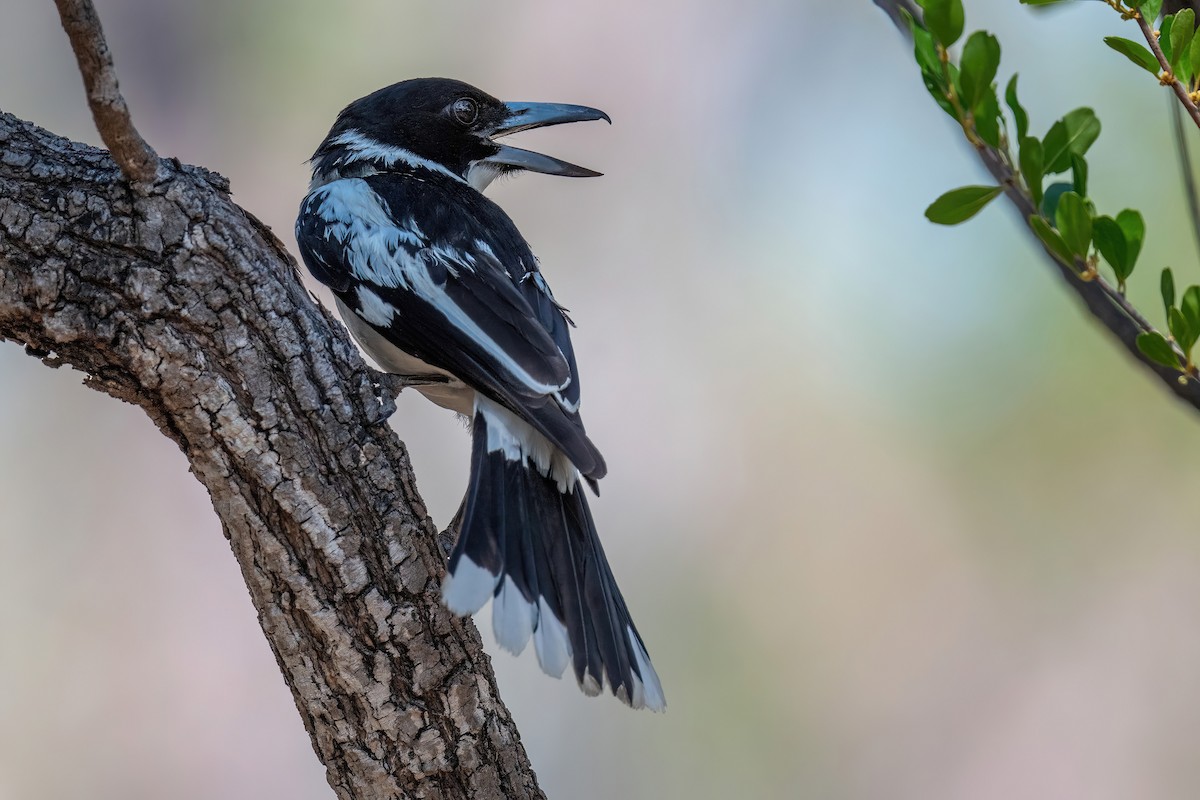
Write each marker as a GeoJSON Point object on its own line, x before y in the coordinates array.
{"type": "Point", "coordinates": [894, 518]}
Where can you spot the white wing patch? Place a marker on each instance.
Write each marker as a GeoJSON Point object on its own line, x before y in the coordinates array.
{"type": "Point", "coordinates": [353, 215]}
{"type": "Point", "coordinates": [373, 308]}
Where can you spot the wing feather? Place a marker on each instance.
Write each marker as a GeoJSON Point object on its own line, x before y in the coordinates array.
{"type": "Point", "coordinates": [462, 290]}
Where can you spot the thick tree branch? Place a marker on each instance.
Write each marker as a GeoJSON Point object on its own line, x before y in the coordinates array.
{"type": "Point", "coordinates": [1105, 303]}
{"type": "Point", "coordinates": [177, 300]}
{"type": "Point", "coordinates": [137, 159]}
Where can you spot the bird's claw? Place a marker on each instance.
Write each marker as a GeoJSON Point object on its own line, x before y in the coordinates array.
{"type": "Point", "coordinates": [390, 385]}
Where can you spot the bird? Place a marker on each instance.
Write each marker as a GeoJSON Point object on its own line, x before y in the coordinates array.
{"type": "Point", "coordinates": [436, 284]}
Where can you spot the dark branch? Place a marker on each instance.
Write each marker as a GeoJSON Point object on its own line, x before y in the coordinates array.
{"type": "Point", "coordinates": [137, 159]}
{"type": "Point", "coordinates": [893, 9]}
{"type": "Point", "coordinates": [1103, 300]}
{"type": "Point", "coordinates": [1105, 303]}
{"type": "Point", "coordinates": [177, 300]}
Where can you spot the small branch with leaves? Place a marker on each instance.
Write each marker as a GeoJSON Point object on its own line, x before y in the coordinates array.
{"type": "Point", "coordinates": [1174, 54]}
{"type": "Point", "coordinates": [1095, 253]}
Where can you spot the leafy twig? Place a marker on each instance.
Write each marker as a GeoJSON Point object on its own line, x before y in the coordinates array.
{"type": "Point", "coordinates": [1169, 77]}
{"type": "Point", "coordinates": [1104, 301]}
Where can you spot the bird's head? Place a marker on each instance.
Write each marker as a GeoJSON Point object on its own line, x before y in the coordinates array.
{"type": "Point", "coordinates": [441, 124]}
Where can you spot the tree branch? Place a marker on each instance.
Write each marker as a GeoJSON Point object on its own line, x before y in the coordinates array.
{"type": "Point", "coordinates": [894, 7]}
{"type": "Point", "coordinates": [1105, 303]}
{"type": "Point", "coordinates": [175, 299]}
{"type": "Point", "coordinates": [137, 159]}
{"type": "Point", "coordinates": [1176, 85]}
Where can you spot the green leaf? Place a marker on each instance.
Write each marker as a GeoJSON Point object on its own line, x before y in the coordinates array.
{"type": "Point", "coordinates": [1110, 241]}
{"type": "Point", "coordinates": [977, 67]}
{"type": "Point", "coordinates": [959, 205]}
{"type": "Point", "coordinates": [1184, 333]}
{"type": "Point", "coordinates": [1194, 55]}
{"type": "Point", "coordinates": [1074, 223]}
{"type": "Point", "coordinates": [932, 74]}
{"type": "Point", "coordinates": [1134, 229]}
{"type": "Point", "coordinates": [1190, 306]}
{"type": "Point", "coordinates": [1053, 242]}
{"type": "Point", "coordinates": [1164, 38]}
{"type": "Point", "coordinates": [1190, 314]}
{"type": "Point", "coordinates": [944, 18]}
{"type": "Point", "coordinates": [1182, 31]}
{"type": "Point", "coordinates": [1180, 331]}
{"type": "Point", "coordinates": [1135, 52]}
{"type": "Point", "coordinates": [1079, 173]}
{"type": "Point", "coordinates": [1150, 10]}
{"type": "Point", "coordinates": [1158, 349]}
{"type": "Point", "coordinates": [937, 91]}
{"type": "Point", "coordinates": [1031, 166]}
{"type": "Point", "coordinates": [987, 118]}
{"type": "Point", "coordinates": [1018, 111]}
{"type": "Point", "coordinates": [1074, 133]}
{"type": "Point", "coordinates": [925, 50]}
{"type": "Point", "coordinates": [1167, 285]}
{"type": "Point", "coordinates": [1050, 201]}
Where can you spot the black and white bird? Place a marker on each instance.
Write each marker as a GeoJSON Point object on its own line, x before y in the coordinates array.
{"type": "Point", "coordinates": [434, 281]}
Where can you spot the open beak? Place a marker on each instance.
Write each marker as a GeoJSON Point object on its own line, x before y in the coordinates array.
{"type": "Point", "coordinates": [526, 116]}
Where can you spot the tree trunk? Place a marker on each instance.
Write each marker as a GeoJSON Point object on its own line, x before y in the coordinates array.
{"type": "Point", "coordinates": [170, 296]}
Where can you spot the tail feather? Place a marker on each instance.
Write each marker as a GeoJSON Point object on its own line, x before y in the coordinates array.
{"type": "Point", "coordinates": [529, 542]}
{"type": "Point", "coordinates": [515, 617]}
{"type": "Point", "coordinates": [598, 589]}
{"type": "Point", "coordinates": [476, 563]}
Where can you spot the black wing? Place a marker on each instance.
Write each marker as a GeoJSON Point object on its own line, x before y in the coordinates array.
{"type": "Point", "coordinates": [442, 273]}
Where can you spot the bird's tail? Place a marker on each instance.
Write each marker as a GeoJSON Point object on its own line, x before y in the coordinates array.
{"type": "Point", "coordinates": [528, 542]}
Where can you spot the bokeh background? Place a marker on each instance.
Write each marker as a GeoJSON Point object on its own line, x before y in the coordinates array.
{"type": "Point", "coordinates": [895, 519]}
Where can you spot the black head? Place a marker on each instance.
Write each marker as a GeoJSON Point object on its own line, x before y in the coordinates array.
{"type": "Point", "coordinates": [443, 123]}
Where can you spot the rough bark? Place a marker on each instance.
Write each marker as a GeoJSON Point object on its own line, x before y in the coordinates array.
{"type": "Point", "coordinates": [173, 298]}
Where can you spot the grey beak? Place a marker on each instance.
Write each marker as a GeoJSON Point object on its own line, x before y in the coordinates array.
{"type": "Point", "coordinates": [526, 116]}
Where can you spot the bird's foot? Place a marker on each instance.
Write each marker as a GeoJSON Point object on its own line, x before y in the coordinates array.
{"type": "Point", "coordinates": [390, 385]}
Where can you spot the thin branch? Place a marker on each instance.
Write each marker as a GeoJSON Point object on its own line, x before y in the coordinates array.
{"type": "Point", "coordinates": [1108, 304]}
{"type": "Point", "coordinates": [1180, 90]}
{"type": "Point", "coordinates": [137, 159]}
{"type": "Point", "coordinates": [1102, 299]}
{"type": "Point", "coordinates": [894, 7]}
{"type": "Point", "coordinates": [1185, 168]}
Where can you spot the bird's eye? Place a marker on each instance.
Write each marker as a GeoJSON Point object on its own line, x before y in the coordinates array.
{"type": "Point", "coordinates": [465, 110]}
